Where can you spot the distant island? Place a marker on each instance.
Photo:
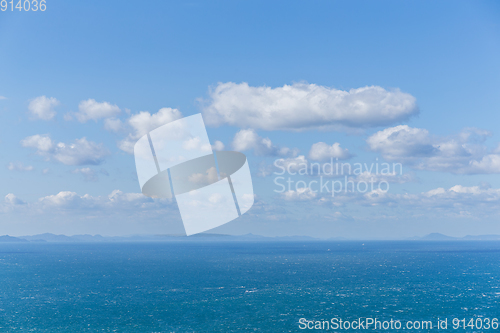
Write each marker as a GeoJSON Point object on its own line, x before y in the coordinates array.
{"type": "Point", "coordinates": [52, 238]}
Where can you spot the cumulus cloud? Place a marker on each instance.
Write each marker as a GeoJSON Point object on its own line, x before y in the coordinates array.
{"type": "Point", "coordinates": [90, 109]}
{"type": "Point", "coordinates": [18, 166]}
{"type": "Point", "coordinates": [42, 143]}
{"type": "Point", "coordinates": [249, 139]}
{"type": "Point", "coordinates": [218, 145]}
{"type": "Point", "coordinates": [321, 152]}
{"type": "Point", "coordinates": [42, 107]}
{"type": "Point", "coordinates": [305, 106]}
{"type": "Point", "coordinates": [464, 153]}
{"type": "Point", "coordinates": [12, 200]}
{"type": "Point", "coordinates": [81, 152]}
{"type": "Point", "coordinates": [142, 123]}
{"type": "Point", "coordinates": [61, 199]}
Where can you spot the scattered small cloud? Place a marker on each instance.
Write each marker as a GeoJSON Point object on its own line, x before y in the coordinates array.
{"type": "Point", "coordinates": [250, 140]}
{"type": "Point", "coordinates": [89, 174]}
{"type": "Point", "coordinates": [81, 152]}
{"type": "Point", "coordinates": [12, 200]}
{"type": "Point", "coordinates": [113, 125]}
{"type": "Point", "coordinates": [218, 145]}
{"type": "Point", "coordinates": [141, 123]}
{"type": "Point", "coordinates": [321, 152]}
{"type": "Point", "coordinates": [18, 166]}
{"type": "Point", "coordinates": [90, 109]}
{"type": "Point", "coordinates": [464, 153]}
{"type": "Point", "coordinates": [300, 194]}
{"type": "Point", "coordinates": [42, 107]}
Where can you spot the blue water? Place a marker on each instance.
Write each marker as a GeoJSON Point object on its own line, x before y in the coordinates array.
{"type": "Point", "coordinates": [238, 286]}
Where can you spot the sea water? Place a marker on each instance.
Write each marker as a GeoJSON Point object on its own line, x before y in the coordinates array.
{"type": "Point", "coordinates": [242, 286]}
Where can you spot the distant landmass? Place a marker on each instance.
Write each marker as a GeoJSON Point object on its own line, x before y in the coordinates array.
{"type": "Point", "coordinates": [52, 238]}
{"type": "Point", "coordinates": [10, 239]}
{"type": "Point", "coordinates": [441, 237]}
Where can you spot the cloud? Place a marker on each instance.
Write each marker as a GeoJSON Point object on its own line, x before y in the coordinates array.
{"type": "Point", "coordinates": [321, 152]}
{"type": "Point", "coordinates": [42, 143]}
{"type": "Point", "coordinates": [301, 194]}
{"type": "Point", "coordinates": [18, 166]}
{"type": "Point", "coordinates": [114, 203]}
{"type": "Point", "coordinates": [43, 107]}
{"type": "Point", "coordinates": [90, 109]}
{"type": "Point", "coordinates": [249, 139]}
{"type": "Point", "coordinates": [12, 200]}
{"type": "Point", "coordinates": [144, 122]}
{"type": "Point", "coordinates": [69, 212]}
{"type": "Point", "coordinates": [81, 152]}
{"type": "Point", "coordinates": [305, 106]}
{"type": "Point", "coordinates": [2, 97]}
{"type": "Point", "coordinates": [89, 175]}
{"type": "Point", "coordinates": [61, 199]}
{"type": "Point", "coordinates": [113, 124]}
{"type": "Point", "coordinates": [203, 179]}
{"type": "Point", "coordinates": [392, 177]}
{"type": "Point", "coordinates": [218, 146]}
{"type": "Point", "coordinates": [464, 153]}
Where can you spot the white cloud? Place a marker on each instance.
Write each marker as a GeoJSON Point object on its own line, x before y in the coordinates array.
{"type": "Point", "coordinates": [12, 200]}
{"type": "Point", "coordinates": [61, 199]}
{"type": "Point", "coordinates": [218, 146]}
{"type": "Point", "coordinates": [81, 152]}
{"type": "Point", "coordinates": [68, 212]}
{"type": "Point", "coordinates": [43, 107]}
{"type": "Point", "coordinates": [119, 196]}
{"type": "Point", "coordinates": [115, 202]}
{"type": "Point", "coordinates": [42, 143]}
{"type": "Point", "coordinates": [113, 124]}
{"type": "Point", "coordinates": [18, 166]}
{"type": "Point", "coordinates": [304, 106]}
{"type": "Point", "coordinates": [88, 174]}
{"type": "Point", "coordinates": [321, 152]}
{"type": "Point", "coordinates": [196, 144]}
{"type": "Point", "coordinates": [2, 97]}
{"type": "Point", "coordinates": [144, 122]}
{"type": "Point", "coordinates": [90, 109]}
{"type": "Point", "coordinates": [460, 154]}
{"type": "Point", "coordinates": [293, 164]}
{"type": "Point", "coordinates": [393, 177]}
{"type": "Point", "coordinates": [249, 139]}
{"type": "Point", "coordinates": [203, 179]}
{"type": "Point", "coordinates": [301, 194]}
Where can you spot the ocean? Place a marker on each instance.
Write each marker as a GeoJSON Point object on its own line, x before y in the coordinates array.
{"type": "Point", "coordinates": [211, 286]}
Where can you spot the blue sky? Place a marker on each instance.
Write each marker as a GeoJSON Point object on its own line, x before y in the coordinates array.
{"type": "Point", "coordinates": [120, 58]}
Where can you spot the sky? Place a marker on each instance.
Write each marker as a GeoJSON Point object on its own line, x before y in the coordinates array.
{"type": "Point", "coordinates": [412, 84]}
